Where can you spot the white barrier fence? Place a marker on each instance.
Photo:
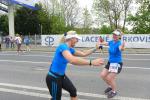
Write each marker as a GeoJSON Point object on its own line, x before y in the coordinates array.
{"type": "Point", "coordinates": [132, 40]}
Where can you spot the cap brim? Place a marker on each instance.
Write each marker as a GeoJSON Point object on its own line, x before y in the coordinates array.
{"type": "Point", "coordinates": [116, 33]}
{"type": "Point", "coordinates": [73, 36]}
{"type": "Point", "coordinates": [78, 37]}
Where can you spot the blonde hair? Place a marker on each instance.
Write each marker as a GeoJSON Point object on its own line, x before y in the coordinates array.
{"type": "Point", "coordinates": [71, 32]}
{"type": "Point", "coordinates": [62, 40]}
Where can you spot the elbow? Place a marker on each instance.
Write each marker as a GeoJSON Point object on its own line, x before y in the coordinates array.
{"type": "Point", "coordinates": [84, 55]}
{"type": "Point", "coordinates": [73, 61]}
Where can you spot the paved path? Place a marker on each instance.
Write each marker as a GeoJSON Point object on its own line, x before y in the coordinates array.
{"type": "Point", "coordinates": [22, 77]}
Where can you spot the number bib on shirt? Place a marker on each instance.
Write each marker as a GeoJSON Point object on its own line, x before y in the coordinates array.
{"type": "Point", "coordinates": [114, 67]}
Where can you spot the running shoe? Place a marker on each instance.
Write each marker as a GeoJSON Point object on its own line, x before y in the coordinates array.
{"type": "Point", "coordinates": [107, 90]}
{"type": "Point", "coordinates": [111, 94]}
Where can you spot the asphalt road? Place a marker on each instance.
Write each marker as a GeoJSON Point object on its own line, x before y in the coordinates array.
{"type": "Point", "coordinates": [22, 77]}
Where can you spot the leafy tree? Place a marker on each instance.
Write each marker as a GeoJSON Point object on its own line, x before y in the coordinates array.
{"type": "Point", "coordinates": [26, 21]}
{"type": "Point", "coordinates": [105, 30]}
{"type": "Point", "coordinates": [141, 21]}
{"type": "Point", "coordinates": [51, 18]}
{"type": "Point", "coordinates": [57, 25]}
{"type": "Point", "coordinates": [112, 11]}
{"type": "Point", "coordinates": [87, 21]}
{"type": "Point", "coordinates": [70, 10]}
{"type": "Point", "coordinates": [4, 24]}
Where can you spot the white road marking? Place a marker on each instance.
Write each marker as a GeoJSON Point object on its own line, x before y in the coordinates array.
{"type": "Point", "coordinates": [34, 62]}
{"type": "Point", "coordinates": [137, 68]}
{"type": "Point", "coordinates": [147, 53]}
{"type": "Point", "coordinates": [47, 96]}
{"type": "Point", "coordinates": [23, 61]}
{"type": "Point", "coordinates": [136, 59]}
{"type": "Point", "coordinates": [34, 94]}
{"type": "Point", "coordinates": [49, 56]}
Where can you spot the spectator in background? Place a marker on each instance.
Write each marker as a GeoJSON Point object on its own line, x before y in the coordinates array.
{"type": "Point", "coordinates": [12, 45]}
{"type": "Point", "coordinates": [7, 41]}
{"type": "Point", "coordinates": [101, 46]}
{"type": "Point", "coordinates": [27, 42]}
{"type": "Point", "coordinates": [0, 43]}
{"type": "Point", "coordinates": [18, 41]}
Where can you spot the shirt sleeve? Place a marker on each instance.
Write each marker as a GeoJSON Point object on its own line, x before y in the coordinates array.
{"type": "Point", "coordinates": [63, 47]}
{"type": "Point", "coordinates": [109, 43]}
{"type": "Point", "coordinates": [72, 50]}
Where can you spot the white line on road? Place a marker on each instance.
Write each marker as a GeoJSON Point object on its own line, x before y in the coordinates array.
{"type": "Point", "coordinates": [46, 96]}
{"type": "Point", "coordinates": [34, 62]}
{"type": "Point", "coordinates": [49, 56]}
{"type": "Point", "coordinates": [23, 61]}
{"type": "Point", "coordinates": [49, 52]}
{"type": "Point", "coordinates": [31, 93]}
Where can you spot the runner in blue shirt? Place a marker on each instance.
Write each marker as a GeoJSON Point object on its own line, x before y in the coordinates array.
{"type": "Point", "coordinates": [65, 53]}
{"type": "Point", "coordinates": [114, 64]}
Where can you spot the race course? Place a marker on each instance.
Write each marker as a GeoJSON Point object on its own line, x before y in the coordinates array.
{"type": "Point", "coordinates": [22, 77]}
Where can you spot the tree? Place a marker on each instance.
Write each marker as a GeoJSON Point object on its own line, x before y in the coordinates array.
{"type": "Point", "coordinates": [26, 21]}
{"type": "Point", "coordinates": [4, 25]}
{"type": "Point", "coordinates": [105, 30]}
{"type": "Point", "coordinates": [70, 11]}
{"type": "Point", "coordinates": [112, 11]}
{"type": "Point", "coordinates": [87, 21]}
{"type": "Point", "coordinates": [141, 21]}
{"type": "Point", "coordinates": [53, 13]}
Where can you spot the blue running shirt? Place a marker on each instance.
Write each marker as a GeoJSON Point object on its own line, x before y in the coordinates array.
{"type": "Point", "coordinates": [59, 63]}
{"type": "Point", "coordinates": [115, 55]}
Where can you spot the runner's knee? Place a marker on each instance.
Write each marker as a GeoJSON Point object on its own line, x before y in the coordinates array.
{"type": "Point", "coordinates": [103, 75]}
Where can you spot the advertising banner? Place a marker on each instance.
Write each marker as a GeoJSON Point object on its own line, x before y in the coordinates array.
{"type": "Point", "coordinates": [131, 41]}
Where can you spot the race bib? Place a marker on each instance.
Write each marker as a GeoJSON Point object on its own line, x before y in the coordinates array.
{"type": "Point", "coordinates": [114, 67]}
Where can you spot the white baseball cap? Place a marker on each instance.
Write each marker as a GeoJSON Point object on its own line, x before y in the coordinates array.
{"type": "Point", "coordinates": [116, 32]}
{"type": "Point", "coordinates": [72, 34]}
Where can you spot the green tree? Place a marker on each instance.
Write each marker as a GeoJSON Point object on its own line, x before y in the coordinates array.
{"type": "Point", "coordinates": [141, 21]}
{"type": "Point", "coordinates": [105, 30]}
{"type": "Point", "coordinates": [87, 21]}
{"type": "Point", "coordinates": [51, 19]}
{"type": "Point", "coordinates": [112, 12]}
{"type": "Point", "coordinates": [4, 24]}
{"type": "Point", "coordinates": [26, 21]}
{"type": "Point", "coordinates": [57, 25]}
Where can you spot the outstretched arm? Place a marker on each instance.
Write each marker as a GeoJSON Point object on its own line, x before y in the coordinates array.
{"type": "Point", "coordinates": [84, 52]}
{"type": "Point", "coordinates": [103, 43]}
{"type": "Point", "coordinates": [80, 61]}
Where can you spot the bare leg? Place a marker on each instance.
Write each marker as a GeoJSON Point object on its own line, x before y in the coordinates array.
{"type": "Point", "coordinates": [104, 74]}
{"type": "Point", "coordinates": [111, 80]}
{"type": "Point", "coordinates": [74, 98]}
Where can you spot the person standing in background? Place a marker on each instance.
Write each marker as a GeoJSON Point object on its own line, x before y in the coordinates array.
{"type": "Point", "coordinates": [101, 46]}
{"type": "Point", "coordinates": [12, 45]}
{"type": "Point", "coordinates": [18, 40]}
{"type": "Point", "coordinates": [7, 41]}
{"type": "Point", "coordinates": [27, 43]}
{"type": "Point", "coordinates": [0, 43]}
